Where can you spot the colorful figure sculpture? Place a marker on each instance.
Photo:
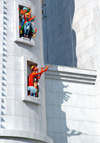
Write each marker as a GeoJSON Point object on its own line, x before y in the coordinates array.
{"type": "Point", "coordinates": [26, 29]}
{"type": "Point", "coordinates": [33, 80]}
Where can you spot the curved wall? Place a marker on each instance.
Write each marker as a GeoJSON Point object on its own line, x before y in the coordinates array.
{"type": "Point", "coordinates": [18, 118]}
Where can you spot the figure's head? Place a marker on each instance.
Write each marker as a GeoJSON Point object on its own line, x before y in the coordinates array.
{"type": "Point", "coordinates": [25, 9]}
{"type": "Point", "coordinates": [34, 68]}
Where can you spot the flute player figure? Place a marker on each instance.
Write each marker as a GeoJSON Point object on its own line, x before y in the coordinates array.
{"type": "Point", "coordinates": [33, 79]}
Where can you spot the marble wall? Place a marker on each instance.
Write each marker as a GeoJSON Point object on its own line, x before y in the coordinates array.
{"type": "Point", "coordinates": [72, 115]}
{"type": "Point", "coordinates": [86, 26]}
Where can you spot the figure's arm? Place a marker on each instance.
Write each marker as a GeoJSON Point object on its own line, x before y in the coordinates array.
{"type": "Point", "coordinates": [38, 77]}
{"type": "Point", "coordinates": [40, 74]}
{"type": "Point", "coordinates": [22, 21]}
{"type": "Point", "coordinates": [42, 71]}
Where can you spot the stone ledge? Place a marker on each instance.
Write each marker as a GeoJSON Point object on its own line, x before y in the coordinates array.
{"type": "Point", "coordinates": [71, 74]}
{"type": "Point", "coordinates": [25, 135]}
{"type": "Point", "coordinates": [24, 41]}
{"type": "Point", "coordinates": [32, 100]}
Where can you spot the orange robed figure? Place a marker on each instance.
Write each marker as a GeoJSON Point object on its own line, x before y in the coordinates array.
{"type": "Point", "coordinates": [33, 79]}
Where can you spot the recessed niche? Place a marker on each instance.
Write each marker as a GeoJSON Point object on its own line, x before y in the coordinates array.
{"type": "Point", "coordinates": [18, 37]}
{"type": "Point", "coordinates": [26, 23]}
{"type": "Point", "coordinates": [36, 82]}
{"type": "Point", "coordinates": [27, 96]}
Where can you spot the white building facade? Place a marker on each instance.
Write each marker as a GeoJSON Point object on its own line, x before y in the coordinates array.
{"type": "Point", "coordinates": [67, 109]}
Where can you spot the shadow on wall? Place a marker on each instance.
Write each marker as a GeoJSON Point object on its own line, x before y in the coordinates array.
{"type": "Point", "coordinates": [66, 132]}
{"type": "Point", "coordinates": [58, 128]}
{"type": "Point", "coordinates": [4, 74]}
{"type": "Point", "coordinates": [61, 125]}
{"type": "Point", "coordinates": [58, 36]}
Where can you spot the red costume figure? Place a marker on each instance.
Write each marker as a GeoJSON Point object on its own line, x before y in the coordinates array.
{"type": "Point", "coordinates": [33, 79]}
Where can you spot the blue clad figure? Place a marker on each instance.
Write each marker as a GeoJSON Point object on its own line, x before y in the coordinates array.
{"type": "Point", "coordinates": [27, 28]}
{"type": "Point", "coordinates": [32, 90]}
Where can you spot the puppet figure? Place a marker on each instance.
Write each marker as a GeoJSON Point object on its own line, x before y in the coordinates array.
{"type": "Point", "coordinates": [33, 80]}
{"type": "Point", "coordinates": [26, 29]}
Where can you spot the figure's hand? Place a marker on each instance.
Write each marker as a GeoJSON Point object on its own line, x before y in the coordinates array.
{"type": "Point", "coordinates": [42, 68]}
{"type": "Point", "coordinates": [47, 67]}
{"type": "Point", "coordinates": [35, 31]}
